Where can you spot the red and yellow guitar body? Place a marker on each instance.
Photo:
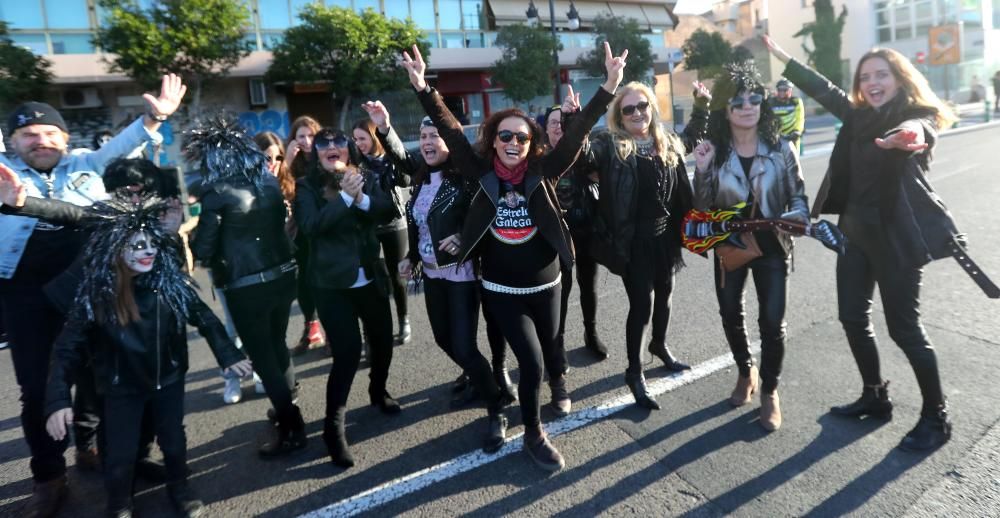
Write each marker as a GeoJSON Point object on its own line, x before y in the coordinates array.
{"type": "Point", "coordinates": [701, 242]}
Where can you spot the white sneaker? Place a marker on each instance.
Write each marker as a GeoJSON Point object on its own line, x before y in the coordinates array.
{"type": "Point", "coordinates": [233, 392]}
{"type": "Point", "coordinates": [258, 386]}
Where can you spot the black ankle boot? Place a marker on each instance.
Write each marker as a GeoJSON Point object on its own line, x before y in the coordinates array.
{"type": "Point", "coordinates": [290, 436]}
{"type": "Point", "coordinates": [466, 397]}
{"type": "Point", "coordinates": [931, 432]}
{"type": "Point", "coordinates": [336, 439]}
{"type": "Point", "coordinates": [594, 344]}
{"type": "Point", "coordinates": [637, 384]}
{"type": "Point", "coordinates": [508, 393]}
{"type": "Point", "coordinates": [659, 349]}
{"type": "Point", "coordinates": [874, 401]}
{"type": "Point", "coordinates": [184, 501]}
{"type": "Point", "coordinates": [496, 433]}
{"type": "Point", "coordinates": [384, 402]}
{"type": "Point", "coordinates": [460, 383]}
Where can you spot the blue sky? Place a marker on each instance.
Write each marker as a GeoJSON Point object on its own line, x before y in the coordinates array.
{"type": "Point", "coordinates": [692, 6]}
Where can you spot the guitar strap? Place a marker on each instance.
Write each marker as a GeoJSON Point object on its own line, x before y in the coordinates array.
{"type": "Point", "coordinates": [973, 270]}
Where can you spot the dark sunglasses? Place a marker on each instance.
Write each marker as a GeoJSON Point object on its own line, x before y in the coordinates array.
{"type": "Point", "coordinates": [279, 158]}
{"type": "Point", "coordinates": [426, 122]}
{"type": "Point", "coordinates": [506, 136]}
{"type": "Point", "coordinates": [326, 141]}
{"type": "Point", "coordinates": [738, 101]}
{"type": "Point", "coordinates": [629, 109]}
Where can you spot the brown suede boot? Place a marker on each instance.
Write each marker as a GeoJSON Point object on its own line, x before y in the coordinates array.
{"type": "Point", "coordinates": [770, 411]}
{"type": "Point", "coordinates": [745, 388]}
{"type": "Point", "coordinates": [536, 443]}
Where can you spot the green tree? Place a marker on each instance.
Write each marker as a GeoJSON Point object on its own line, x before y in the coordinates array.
{"type": "Point", "coordinates": [526, 66]}
{"type": "Point", "coordinates": [621, 34]}
{"type": "Point", "coordinates": [706, 52]}
{"type": "Point", "coordinates": [825, 33]}
{"type": "Point", "coordinates": [23, 75]}
{"type": "Point", "coordinates": [357, 54]}
{"type": "Point", "coordinates": [199, 40]}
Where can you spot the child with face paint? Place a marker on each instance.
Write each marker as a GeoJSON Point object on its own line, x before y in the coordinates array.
{"type": "Point", "coordinates": [130, 317]}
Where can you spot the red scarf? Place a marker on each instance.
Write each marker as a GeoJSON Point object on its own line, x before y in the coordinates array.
{"type": "Point", "coordinates": [515, 176]}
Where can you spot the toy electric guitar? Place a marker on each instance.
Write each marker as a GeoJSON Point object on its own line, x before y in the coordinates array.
{"type": "Point", "coordinates": [703, 230]}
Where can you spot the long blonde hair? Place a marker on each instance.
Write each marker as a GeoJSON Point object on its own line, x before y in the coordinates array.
{"type": "Point", "coordinates": [668, 146]}
{"type": "Point", "coordinates": [918, 91]}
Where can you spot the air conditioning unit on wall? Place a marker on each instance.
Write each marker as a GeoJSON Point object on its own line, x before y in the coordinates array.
{"type": "Point", "coordinates": [86, 97]}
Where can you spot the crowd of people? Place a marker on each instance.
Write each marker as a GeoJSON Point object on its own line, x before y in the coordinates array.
{"type": "Point", "coordinates": [96, 291]}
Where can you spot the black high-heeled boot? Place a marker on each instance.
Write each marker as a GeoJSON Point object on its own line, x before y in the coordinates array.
{"type": "Point", "coordinates": [932, 431]}
{"type": "Point", "coordinates": [660, 350]}
{"type": "Point", "coordinates": [336, 439]}
{"type": "Point", "coordinates": [874, 401]}
{"type": "Point", "coordinates": [290, 436]}
{"type": "Point", "coordinates": [636, 382]}
{"type": "Point", "coordinates": [508, 393]}
{"type": "Point", "coordinates": [184, 501]}
{"type": "Point", "coordinates": [594, 344]}
{"type": "Point", "coordinates": [496, 432]}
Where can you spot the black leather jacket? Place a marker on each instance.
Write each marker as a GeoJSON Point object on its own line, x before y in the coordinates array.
{"type": "Point", "coordinates": [449, 207]}
{"type": "Point", "coordinates": [390, 178]}
{"type": "Point", "coordinates": [614, 228]}
{"type": "Point", "coordinates": [341, 237]}
{"type": "Point", "coordinates": [538, 188]}
{"type": "Point", "coordinates": [241, 230]}
{"type": "Point", "coordinates": [138, 358]}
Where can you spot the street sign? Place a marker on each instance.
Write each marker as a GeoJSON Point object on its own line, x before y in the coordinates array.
{"type": "Point", "coordinates": [921, 58]}
{"type": "Point", "coordinates": [944, 44]}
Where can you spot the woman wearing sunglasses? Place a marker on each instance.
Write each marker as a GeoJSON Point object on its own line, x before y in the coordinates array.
{"type": "Point", "coordinates": [644, 193]}
{"type": "Point", "coordinates": [744, 160]}
{"type": "Point", "coordinates": [894, 222]}
{"type": "Point", "coordinates": [515, 227]}
{"type": "Point", "coordinates": [392, 236]}
{"type": "Point", "coordinates": [337, 206]}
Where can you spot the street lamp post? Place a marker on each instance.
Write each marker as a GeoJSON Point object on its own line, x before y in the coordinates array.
{"type": "Point", "coordinates": [574, 23]}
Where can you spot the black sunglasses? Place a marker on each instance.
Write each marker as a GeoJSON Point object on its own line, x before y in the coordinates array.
{"type": "Point", "coordinates": [629, 109]}
{"type": "Point", "coordinates": [325, 141]}
{"type": "Point", "coordinates": [506, 136]}
{"type": "Point", "coordinates": [738, 101]}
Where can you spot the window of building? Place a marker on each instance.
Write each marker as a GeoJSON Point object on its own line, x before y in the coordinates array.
{"type": "Point", "coordinates": [66, 14]}
{"type": "Point", "coordinates": [71, 43]}
{"type": "Point", "coordinates": [450, 14]}
{"type": "Point", "coordinates": [33, 42]}
{"type": "Point", "coordinates": [269, 40]}
{"type": "Point", "coordinates": [884, 34]}
{"type": "Point", "coordinates": [452, 40]}
{"type": "Point", "coordinates": [22, 14]}
{"type": "Point", "coordinates": [273, 14]}
{"type": "Point", "coordinates": [473, 16]}
{"type": "Point", "coordinates": [422, 13]}
{"type": "Point", "coordinates": [972, 13]}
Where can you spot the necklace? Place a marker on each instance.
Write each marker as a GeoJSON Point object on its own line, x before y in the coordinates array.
{"type": "Point", "coordinates": [645, 147]}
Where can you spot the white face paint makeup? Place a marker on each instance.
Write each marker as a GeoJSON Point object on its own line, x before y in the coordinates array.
{"type": "Point", "coordinates": [140, 254]}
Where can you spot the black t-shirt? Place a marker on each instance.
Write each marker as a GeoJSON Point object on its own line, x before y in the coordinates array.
{"type": "Point", "coordinates": [766, 239]}
{"type": "Point", "coordinates": [655, 192]}
{"type": "Point", "coordinates": [515, 254]}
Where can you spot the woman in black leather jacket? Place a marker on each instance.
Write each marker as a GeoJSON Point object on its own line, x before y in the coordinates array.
{"type": "Point", "coordinates": [435, 214]}
{"type": "Point", "coordinates": [644, 194]}
{"type": "Point", "coordinates": [744, 160]}
{"type": "Point", "coordinates": [241, 237]}
{"type": "Point", "coordinates": [337, 207]}
{"type": "Point", "coordinates": [392, 235]}
{"type": "Point", "coordinates": [894, 222]}
{"type": "Point", "coordinates": [129, 318]}
{"type": "Point", "coordinates": [515, 227]}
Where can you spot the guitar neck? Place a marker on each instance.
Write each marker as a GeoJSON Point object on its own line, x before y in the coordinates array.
{"type": "Point", "coordinates": [754, 225]}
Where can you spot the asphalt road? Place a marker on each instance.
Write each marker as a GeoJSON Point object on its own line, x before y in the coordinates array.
{"type": "Point", "coordinates": [696, 457]}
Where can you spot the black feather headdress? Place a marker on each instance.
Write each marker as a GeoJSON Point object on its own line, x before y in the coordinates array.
{"type": "Point", "coordinates": [736, 77]}
{"type": "Point", "coordinates": [112, 223]}
{"type": "Point", "coordinates": [222, 149]}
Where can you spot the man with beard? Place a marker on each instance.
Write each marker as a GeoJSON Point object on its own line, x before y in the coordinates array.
{"type": "Point", "coordinates": [34, 252]}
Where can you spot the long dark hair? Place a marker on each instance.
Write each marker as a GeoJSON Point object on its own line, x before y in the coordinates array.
{"type": "Point", "coordinates": [736, 79]}
{"type": "Point", "coordinates": [123, 172]}
{"type": "Point", "coordinates": [320, 177]}
{"type": "Point", "coordinates": [488, 133]}
{"type": "Point", "coordinates": [367, 126]}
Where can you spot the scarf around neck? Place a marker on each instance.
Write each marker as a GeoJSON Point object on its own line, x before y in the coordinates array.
{"type": "Point", "coordinates": [515, 176]}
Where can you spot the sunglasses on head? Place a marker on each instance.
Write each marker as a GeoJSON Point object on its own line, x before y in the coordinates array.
{"type": "Point", "coordinates": [326, 141]}
{"type": "Point", "coordinates": [426, 122]}
{"type": "Point", "coordinates": [629, 109]}
{"type": "Point", "coordinates": [506, 136]}
{"type": "Point", "coordinates": [738, 101]}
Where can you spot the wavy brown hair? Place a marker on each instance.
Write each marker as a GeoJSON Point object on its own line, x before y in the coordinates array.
{"type": "Point", "coordinates": [488, 133]}
{"type": "Point", "coordinates": [299, 166]}
{"type": "Point", "coordinates": [918, 91]}
{"type": "Point", "coordinates": [266, 139]}
{"type": "Point", "coordinates": [367, 126]}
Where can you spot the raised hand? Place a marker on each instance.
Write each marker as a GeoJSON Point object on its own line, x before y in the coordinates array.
{"type": "Point", "coordinates": [775, 49]}
{"type": "Point", "coordinates": [12, 190]}
{"type": "Point", "coordinates": [615, 67]}
{"type": "Point", "coordinates": [701, 91]}
{"type": "Point", "coordinates": [904, 140]}
{"type": "Point", "coordinates": [572, 101]}
{"type": "Point", "coordinates": [704, 152]}
{"type": "Point", "coordinates": [292, 150]}
{"type": "Point", "coordinates": [59, 422]}
{"type": "Point", "coordinates": [172, 90]}
{"type": "Point", "coordinates": [352, 184]}
{"type": "Point", "coordinates": [415, 67]}
{"type": "Point", "coordinates": [378, 113]}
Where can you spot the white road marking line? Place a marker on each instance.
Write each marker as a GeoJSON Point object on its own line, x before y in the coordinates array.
{"type": "Point", "coordinates": [395, 489]}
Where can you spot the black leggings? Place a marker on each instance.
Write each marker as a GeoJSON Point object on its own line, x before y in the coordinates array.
{"type": "Point", "coordinates": [528, 322]}
{"type": "Point", "coordinates": [260, 315]}
{"type": "Point", "coordinates": [858, 271]}
{"type": "Point", "coordinates": [770, 278]}
{"type": "Point", "coordinates": [339, 311]}
{"type": "Point", "coordinates": [307, 302]}
{"type": "Point", "coordinates": [395, 245]}
{"type": "Point", "coordinates": [453, 310]}
{"type": "Point", "coordinates": [649, 284]}
{"type": "Point", "coordinates": [586, 277]}
{"type": "Point", "coordinates": [494, 335]}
